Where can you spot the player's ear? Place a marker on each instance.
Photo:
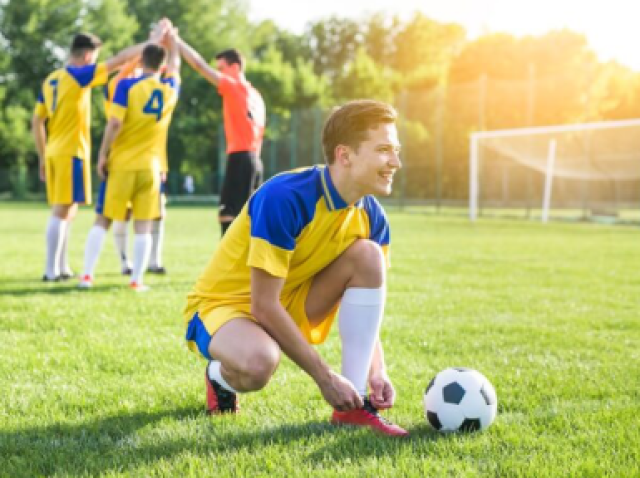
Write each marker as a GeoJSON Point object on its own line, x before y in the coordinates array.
{"type": "Point", "coordinates": [342, 155]}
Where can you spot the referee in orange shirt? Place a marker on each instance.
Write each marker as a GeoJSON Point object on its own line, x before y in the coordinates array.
{"type": "Point", "coordinates": [244, 121]}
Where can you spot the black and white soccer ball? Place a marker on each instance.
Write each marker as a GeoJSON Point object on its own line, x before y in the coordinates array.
{"type": "Point", "coordinates": [460, 399]}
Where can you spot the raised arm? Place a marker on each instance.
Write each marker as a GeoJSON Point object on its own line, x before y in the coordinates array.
{"type": "Point", "coordinates": [197, 62]}
{"type": "Point", "coordinates": [128, 54]}
{"type": "Point", "coordinates": [273, 317]}
{"type": "Point", "coordinates": [173, 61]}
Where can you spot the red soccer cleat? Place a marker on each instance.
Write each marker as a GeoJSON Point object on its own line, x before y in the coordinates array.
{"type": "Point", "coordinates": [219, 400]}
{"type": "Point", "coordinates": [368, 416]}
{"type": "Point", "coordinates": [86, 282]}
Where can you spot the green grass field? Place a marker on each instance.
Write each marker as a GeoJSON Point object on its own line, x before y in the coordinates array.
{"type": "Point", "coordinates": [100, 382]}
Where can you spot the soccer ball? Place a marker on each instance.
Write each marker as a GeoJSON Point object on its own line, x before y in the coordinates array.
{"type": "Point", "coordinates": [460, 399]}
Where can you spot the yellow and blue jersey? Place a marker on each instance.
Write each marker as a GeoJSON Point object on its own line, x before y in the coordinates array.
{"type": "Point", "coordinates": [65, 100]}
{"type": "Point", "coordinates": [293, 227]}
{"type": "Point", "coordinates": [109, 92]}
{"type": "Point", "coordinates": [145, 106]}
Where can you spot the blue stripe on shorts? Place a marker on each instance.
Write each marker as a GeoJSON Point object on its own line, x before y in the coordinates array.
{"type": "Point", "coordinates": [78, 181]}
{"type": "Point", "coordinates": [101, 196]}
{"type": "Point", "coordinates": [196, 332]}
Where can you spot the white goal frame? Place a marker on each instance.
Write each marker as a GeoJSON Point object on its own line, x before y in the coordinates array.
{"type": "Point", "coordinates": [474, 156]}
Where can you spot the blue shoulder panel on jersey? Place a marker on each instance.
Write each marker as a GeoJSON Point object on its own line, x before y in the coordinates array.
{"type": "Point", "coordinates": [172, 82]}
{"type": "Point", "coordinates": [284, 205]}
{"type": "Point", "coordinates": [82, 74]}
{"type": "Point", "coordinates": [379, 226]}
{"type": "Point", "coordinates": [331, 194]}
{"type": "Point", "coordinates": [121, 97]}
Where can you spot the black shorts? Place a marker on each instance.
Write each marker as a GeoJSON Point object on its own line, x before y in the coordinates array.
{"type": "Point", "coordinates": [241, 179]}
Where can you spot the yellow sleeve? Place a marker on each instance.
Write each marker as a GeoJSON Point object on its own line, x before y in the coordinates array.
{"type": "Point", "coordinates": [101, 75]}
{"type": "Point", "coordinates": [268, 257]}
{"type": "Point", "coordinates": [117, 111]}
{"type": "Point", "coordinates": [41, 110]}
{"type": "Point", "coordinates": [385, 252]}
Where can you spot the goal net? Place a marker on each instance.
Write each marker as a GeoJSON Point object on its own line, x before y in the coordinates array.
{"type": "Point", "coordinates": [586, 171]}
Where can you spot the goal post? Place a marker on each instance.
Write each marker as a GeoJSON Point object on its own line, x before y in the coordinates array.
{"type": "Point", "coordinates": [592, 167]}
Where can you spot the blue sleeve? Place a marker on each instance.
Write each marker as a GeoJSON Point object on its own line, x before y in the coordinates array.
{"type": "Point", "coordinates": [173, 83]}
{"type": "Point", "coordinates": [378, 224]}
{"type": "Point", "coordinates": [121, 96]}
{"type": "Point", "coordinates": [83, 74]}
{"type": "Point", "coordinates": [40, 97]}
{"type": "Point", "coordinates": [274, 217]}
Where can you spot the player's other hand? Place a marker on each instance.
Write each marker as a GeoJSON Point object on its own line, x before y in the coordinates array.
{"type": "Point", "coordinates": [43, 175]}
{"type": "Point", "coordinates": [340, 393]}
{"type": "Point", "coordinates": [382, 394]}
{"type": "Point", "coordinates": [102, 167]}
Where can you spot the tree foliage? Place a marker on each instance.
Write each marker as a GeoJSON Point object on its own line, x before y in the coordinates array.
{"type": "Point", "coordinates": [443, 84]}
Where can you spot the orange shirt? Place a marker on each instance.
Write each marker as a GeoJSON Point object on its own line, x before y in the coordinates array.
{"type": "Point", "coordinates": [244, 115]}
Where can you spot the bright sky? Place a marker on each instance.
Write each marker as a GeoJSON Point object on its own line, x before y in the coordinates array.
{"type": "Point", "coordinates": [612, 26]}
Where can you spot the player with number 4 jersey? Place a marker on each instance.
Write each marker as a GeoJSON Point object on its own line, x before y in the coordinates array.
{"type": "Point", "coordinates": [132, 155]}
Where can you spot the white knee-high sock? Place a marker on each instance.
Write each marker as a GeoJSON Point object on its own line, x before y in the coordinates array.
{"type": "Point", "coordinates": [157, 234]}
{"type": "Point", "coordinates": [121, 240]}
{"type": "Point", "coordinates": [92, 249]}
{"type": "Point", "coordinates": [64, 255]}
{"type": "Point", "coordinates": [359, 320]}
{"type": "Point", "coordinates": [214, 373]}
{"type": "Point", "coordinates": [141, 251]}
{"type": "Point", "coordinates": [55, 237]}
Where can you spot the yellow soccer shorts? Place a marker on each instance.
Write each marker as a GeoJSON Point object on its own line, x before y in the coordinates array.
{"type": "Point", "coordinates": [68, 180]}
{"type": "Point", "coordinates": [201, 327]}
{"type": "Point", "coordinates": [139, 190]}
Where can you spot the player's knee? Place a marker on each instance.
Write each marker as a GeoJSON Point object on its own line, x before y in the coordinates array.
{"type": "Point", "coordinates": [368, 261]}
{"type": "Point", "coordinates": [258, 368]}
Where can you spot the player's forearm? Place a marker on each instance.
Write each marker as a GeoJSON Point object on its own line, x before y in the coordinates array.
{"type": "Point", "coordinates": [126, 55]}
{"type": "Point", "coordinates": [110, 134]}
{"type": "Point", "coordinates": [173, 62]}
{"type": "Point", "coordinates": [279, 324]}
{"type": "Point", "coordinates": [39, 136]}
{"type": "Point", "coordinates": [197, 62]}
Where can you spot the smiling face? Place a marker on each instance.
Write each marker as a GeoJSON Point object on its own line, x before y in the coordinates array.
{"type": "Point", "coordinates": [373, 164]}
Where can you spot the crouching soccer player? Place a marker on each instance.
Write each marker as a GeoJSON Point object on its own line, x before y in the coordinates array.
{"type": "Point", "coordinates": [308, 242]}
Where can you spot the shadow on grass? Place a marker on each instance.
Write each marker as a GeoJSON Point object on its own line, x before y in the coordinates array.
{"type": "Point", "coordinates": [113, 443]}
{"type": "Point", "coordinates": [58, 288]}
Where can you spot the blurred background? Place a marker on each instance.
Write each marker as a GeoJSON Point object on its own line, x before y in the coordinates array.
{"type": "Point", "coordinates": [450, 70]}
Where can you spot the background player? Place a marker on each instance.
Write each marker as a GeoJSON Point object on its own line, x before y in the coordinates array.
{"type": "Point", "coordinates": [64, 145]}
{"type": "Point", "coordinates": [134, 143]}
{"type": "Point", "coordinates": [121, 228]}
{"type": "Point", "coordinates": [244, 122]}
{"type": "Point", "coordinates": [307, 242]}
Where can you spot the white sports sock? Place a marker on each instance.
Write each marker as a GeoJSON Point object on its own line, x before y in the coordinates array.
{"type": "Point", "coordinates": [64, 256]}
{"type": "Point", "coordinates": [157, 233]}
{"type": "Point", "coordinates": [141, 251]}
{"type": "Point", "coordinates": [92, 249]}
{"type": "Point", "coordinates": [55, 237]}
{"type": "Point", "coordinates": [359, 320]}
{"type": "Point", "coordinates": [214, 373]}
{"type": "Point", "coordinates": [121, 240]}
